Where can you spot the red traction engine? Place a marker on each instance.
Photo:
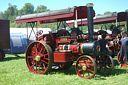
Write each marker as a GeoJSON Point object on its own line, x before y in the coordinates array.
{"type": "Point", "coordinates": [63, 48]}
{"type": "Point", "coordinates": [50, 49]}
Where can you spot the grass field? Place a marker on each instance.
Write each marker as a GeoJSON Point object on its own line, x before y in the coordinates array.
{"type": "Point", "coordinates": [13, 71]}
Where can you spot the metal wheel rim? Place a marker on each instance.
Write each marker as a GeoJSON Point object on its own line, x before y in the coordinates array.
{"type": "Point", "coordinates": [39, 57]}
{"type": "Point", "coordinates": [1, 57]}
{"type": "Point", "coordinates": [86, 67]}
{"type": "Point", "coordinates": [106, 66]}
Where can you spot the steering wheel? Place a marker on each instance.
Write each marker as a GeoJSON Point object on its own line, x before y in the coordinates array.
{"type": "Point", "coordinates": [63, 32]}
{"type": "Point", "coordinates": [40, 32]}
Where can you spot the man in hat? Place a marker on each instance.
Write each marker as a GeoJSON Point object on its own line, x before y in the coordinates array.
{"type": "Point", "coordinates": [124, 48]}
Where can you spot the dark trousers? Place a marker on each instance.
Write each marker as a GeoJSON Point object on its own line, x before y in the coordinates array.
{"type": "Point", "coordinates": [123, 52]}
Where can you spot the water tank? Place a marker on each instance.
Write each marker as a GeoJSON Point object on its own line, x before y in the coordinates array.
{"type": "Point", "coordinates": [18, 43]}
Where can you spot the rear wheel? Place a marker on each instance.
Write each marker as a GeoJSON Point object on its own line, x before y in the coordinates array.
{"type": "Point", "coordinates": [39, 57]}
{"type": "Point", "coordinates": [86, 67]}
{"type": "Point", "coordinates": [105, 65]}
{"type": "Point", "coordinates": [2, 55]}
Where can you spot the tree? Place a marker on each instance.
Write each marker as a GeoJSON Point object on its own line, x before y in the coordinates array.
{"type": "Point", "coordinates": [27, 9]}
{"type": "Point", "coordinates": [1, 15]}
{"type": "Point", "coordinates": [108, 12]}
{"type": "Point", "coordinates": [10, 12]}
{"type": "Point", "coordinates": [41, 8]}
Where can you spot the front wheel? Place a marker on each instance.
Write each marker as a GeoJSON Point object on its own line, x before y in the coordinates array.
{"type": "Point", "coordinates": [86, 67]}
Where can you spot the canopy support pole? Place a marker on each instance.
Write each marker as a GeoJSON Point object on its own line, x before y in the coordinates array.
{"type": "Point", "coordinates": [31, 24]}
{"type": "Point", "coordinates": [81, 19]}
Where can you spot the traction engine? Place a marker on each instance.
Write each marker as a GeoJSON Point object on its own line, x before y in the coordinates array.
{"type": "Point", "coordinates": [63, 48]}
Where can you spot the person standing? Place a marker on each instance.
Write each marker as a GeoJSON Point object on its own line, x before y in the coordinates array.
{"type": "Point", "coordinates": [104, 44]}
{"type": "Point", "coordinates": [124, 48]}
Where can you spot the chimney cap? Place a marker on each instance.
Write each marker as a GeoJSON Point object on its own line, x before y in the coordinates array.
{"type": "Point", "coordinates": [126, 10]}
{"type": "Point", "coordinates": [89, 5]}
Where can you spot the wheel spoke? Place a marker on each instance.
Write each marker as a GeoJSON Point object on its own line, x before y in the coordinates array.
{"type": "Point", "coordinates": [43, 55]}
{"type": "Point", "coordinates": [41, 50]}
{"type": "Point", "coordinates": [33, 65]}
{"type": "Point", "coordinates": [80, 70]}
{"type": "Point", "coordinates": [36, 66]}
{"type": "Point", "coordinates": [90, 70]}
{"type": "Point", "coordinates": [83, 73]}
{"type": "Point", "coordinates": [80, 65]}
{"type": "Point", "coordinates": [107, 68]}
{"type": "Point", "coordinates": [44, 62]}
{"type": "Point", "coordinates": [30, 57]}
{"type": "Point", "coordinates": [39, 68]}
{"type": "Point", "coordinates": [91, 65]}
{"type": "Point", "coordinates": [88, 73]}
{"type": "Point", "coordinates": [32, 61]}
{"type": "Point", "coordinates": [33, 53]}
{"type": "Point", "coordinates": [44, 50]}
{"type": "Point", "coordinates": [46, 58]}
{"type": "Point", "coordinates": [44, 65]}
{"type": "Point", "coordinates": [36, 50]}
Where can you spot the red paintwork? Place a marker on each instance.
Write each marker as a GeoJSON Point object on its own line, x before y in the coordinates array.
{"type": "Point", "coordinates": [90, 69]}
{"type": "Point", "coordinates": [1, 56]}
{"type": "Point", "coordinates": [64, 39]}
{"type": "Point", "coordinates": [40, 50]}
{"type": "Point", "coordinates": [73, 48]}
{"type": "Point", "coordinates": [63, 56]}
{"type": "Point", "coordinates": [96, 21]}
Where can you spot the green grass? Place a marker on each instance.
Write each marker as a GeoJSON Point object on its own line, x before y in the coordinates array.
{"type": "Point", "coordinates": [14, 71]}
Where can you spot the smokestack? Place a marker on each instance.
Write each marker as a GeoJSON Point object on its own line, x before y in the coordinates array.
{"type": "Point", "coordinates": [127, 19]}
{"type": "Point", "coordinates": [90, 20]}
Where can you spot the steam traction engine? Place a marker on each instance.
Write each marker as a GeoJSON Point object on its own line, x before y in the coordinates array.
{"type": "Point", "coordinates": [64, 48]}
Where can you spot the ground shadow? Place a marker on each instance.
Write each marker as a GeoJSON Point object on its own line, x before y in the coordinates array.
{"type": "Point", "coordinates": [70, 71]}
{"type": "Point", "coordinates": [13, 57]}
{"type": "Point", "coordinates": [98, 76]}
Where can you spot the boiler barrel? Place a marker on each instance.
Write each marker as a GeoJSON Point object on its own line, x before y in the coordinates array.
{"type": "Point", "coordinates": [90, 48]}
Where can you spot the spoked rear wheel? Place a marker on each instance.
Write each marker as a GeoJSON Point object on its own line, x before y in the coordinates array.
{"type": "Point", "coordinates": [105, 66]}
{"type": "Point", "coordinates": [86, 67]}
{"type": "Point", "coordinates": [39, 57]}
{"type": "Point", "coordinates": [2, 55]}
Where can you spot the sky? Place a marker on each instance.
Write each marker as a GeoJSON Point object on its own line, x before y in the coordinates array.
{"type": "Point", "coordinates": [100, 6]}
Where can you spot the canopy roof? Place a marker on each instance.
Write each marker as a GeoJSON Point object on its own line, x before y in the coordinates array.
{"type": "Point", "coordinates": [54, 16]}
{"type": "Point", "coordinates": [101, 19]}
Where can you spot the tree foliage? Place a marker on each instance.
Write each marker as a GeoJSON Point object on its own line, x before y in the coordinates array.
{"type": "Point", "coordinates": [41, 8]}
{"type": "Point", "coordinates": [28, 8]}
{"type": "Point", "coordinates": [107, 12]}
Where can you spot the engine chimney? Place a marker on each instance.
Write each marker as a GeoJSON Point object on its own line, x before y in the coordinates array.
{"type": "Point", "coordinates": [90, 20]}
